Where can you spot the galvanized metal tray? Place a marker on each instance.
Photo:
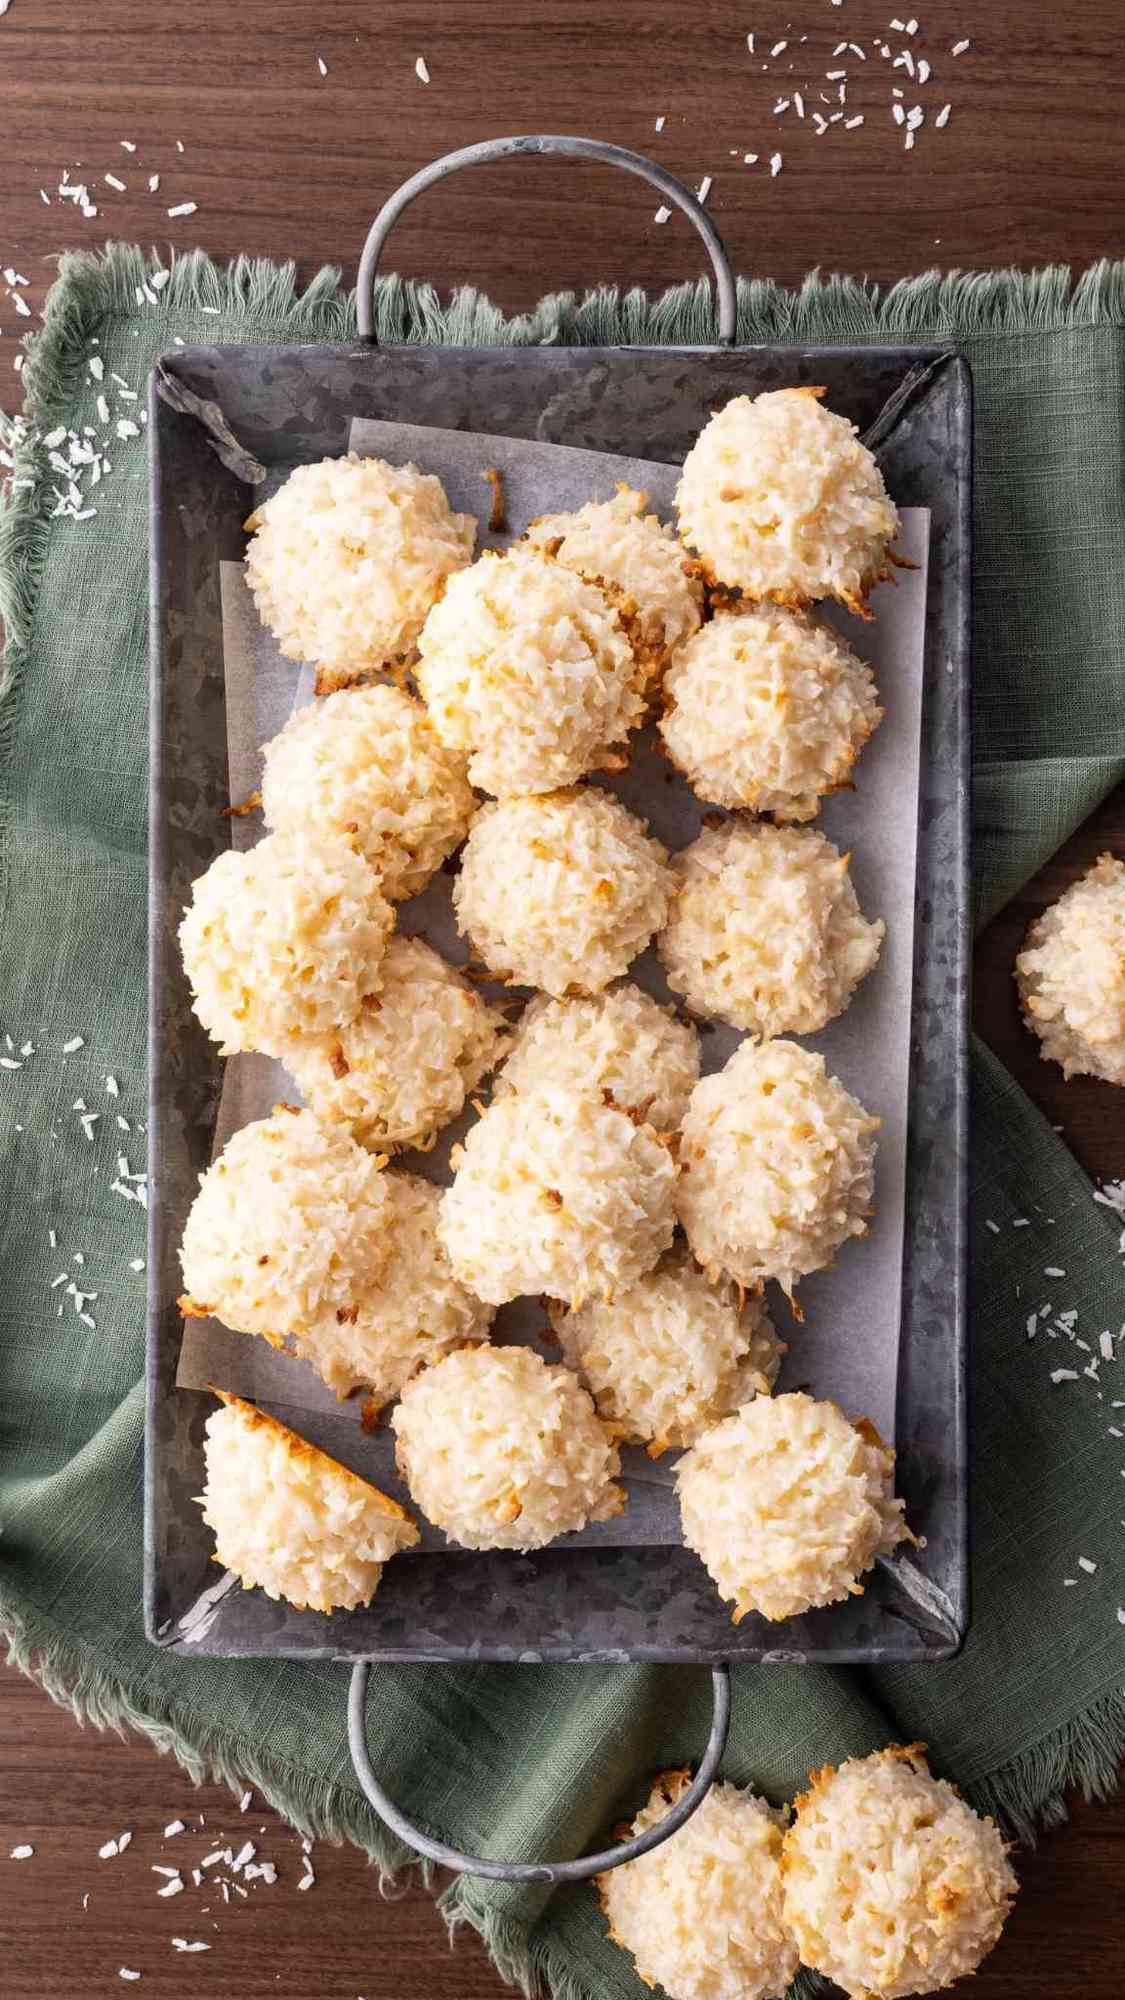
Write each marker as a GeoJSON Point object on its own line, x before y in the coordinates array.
{"type": "Point", "coordinates": [287, 405]}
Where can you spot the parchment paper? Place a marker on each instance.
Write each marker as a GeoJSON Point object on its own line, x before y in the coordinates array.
{"type": "Point", "coordinates": [847, 1347]}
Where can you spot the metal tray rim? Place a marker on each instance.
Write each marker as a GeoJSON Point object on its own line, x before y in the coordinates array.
{"type": "Point", "coordinates": [938, 1644]}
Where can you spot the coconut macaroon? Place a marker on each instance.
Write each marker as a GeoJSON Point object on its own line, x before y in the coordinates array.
{"type": "Point", "coordinates": [366, 763]}
{"type": "Point", "coordinates": [501, 1451]}
{"type": "Point", "coordinates": [780, 499]}
{"type": "Point", "coordinates": [767, 709]}
{"type": "Point", "coordinates": [702, 1915]}
{"type": "Point", "coordinates": [561, 892]}
{"type": "Point", "coordinates": [347, 558]}
{"type": "Point", "coordinates": [671, 1354]}
{"type": "Point", "coordinates": [788, 1503]}
{"type": "Point", "coordinates": [289, 1225]}
{"type": "Point", "coordinates": [1071, 975]}
{"type": "Point", "coordinates": [404, 1067]}
{"type": "Point", "coordinates": [615, 543]}
{"type": "Point", "coordinates": [777, 1166]}
{"type": "Point", "coordinates": [411, 1312]}
{"type": "Point", "coordinates": [291, 1520]}
{"type": "Point", "coordinates": [622, 1045]}
{"type": "Point", "coordinates": [527, 670]}
{"type": "Point", "coordinates": [764, 929]}
{"type": "Point", "coordinates": [893, 1885]}
{"type": "Point", "coordinates": [558, 1193]}
{"type": "Point", "coordinates": [283, 939]}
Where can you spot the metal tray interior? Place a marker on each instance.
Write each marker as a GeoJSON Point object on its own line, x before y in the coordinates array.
{"type": "Point", "coordinates": [293, 404]}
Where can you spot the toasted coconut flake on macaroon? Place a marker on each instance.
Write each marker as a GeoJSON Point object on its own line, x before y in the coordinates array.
{"type": "Point", "coordinates": [615, 543]}
{"type": "Point", "coordinates": [557, 1192]}
{"type": "Point", "coordinates": [289, 1225]}
{"type": "Point", "coordinates": [290, 1520]}
{"type": "Point", "coordinates": [527, 670]}
{"type": "Point", "coordinates": [621, 1044]}
{"type": "Point", "coordinates": [502, 1451]}
{"type": "Point", "coordinates": [781, 499]}
{"type": "Point", "coordinates": [366, 764]}
{"type": "Point", "coordinates": [701, 1916]}
{"type": "Point", "coordinates": [788, 1503]}
{"type": "Point", "coordinates": [1071, 975]}
{"type": "Point", "coordinates": [414, 1052]}
{"type": "Point", "coordinates": [411, 1312]}
{"type": "Point", "coordinates": [777, 1165]}
{"type": "Point", "coordinates": [767, 709]}
{"type": "Point", "coordinates": [561, 892]}
{"type": "Point", "coordinates": [347, 558]}
{"type": "Point", "coordinates": [671, 1353]}
{"type": "Point", "coordinates": [764, 929]}
{"type": "Point", "coordinates": [283, 939]}
{"type": "Point", "coordinates": [893, 1885]}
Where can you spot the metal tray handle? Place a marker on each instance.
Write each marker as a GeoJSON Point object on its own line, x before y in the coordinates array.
{"type": "Point", "coordinates": [585, 149]}
{"type": "Point", "coordinates": [535, 1871]}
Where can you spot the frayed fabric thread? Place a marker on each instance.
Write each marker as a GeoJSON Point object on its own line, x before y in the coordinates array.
{"type": "Point", "coordinates": [535, 1965]}
{"type": "Point", "coordinates": [1028, 1793]}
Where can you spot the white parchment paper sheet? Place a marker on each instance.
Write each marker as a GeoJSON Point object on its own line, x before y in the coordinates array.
{"type": "Point", "coordinates": [847, 1347]}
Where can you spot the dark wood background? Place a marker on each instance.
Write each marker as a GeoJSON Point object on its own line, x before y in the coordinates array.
{"type": "Point", "coordinates": [284, 162]}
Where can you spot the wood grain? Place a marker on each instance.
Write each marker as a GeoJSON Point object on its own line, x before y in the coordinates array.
{"type": "Point", "coordinates": [66, 1790]}
{"type": "Point", "coordinates": [284, 162]}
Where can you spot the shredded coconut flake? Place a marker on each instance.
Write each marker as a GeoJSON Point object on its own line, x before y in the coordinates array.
{"type": "Point", "coordinates": [681, 1911]}
{"type": "Point", "coordinates": [769, 709]}
{"type": "Point", "coordinates": [777, 1165]}
{"type": "Point", "coordinates": [366, 763]}
{"type": "Point", "coordinates": [502, 1451]}
{"type": "Point", "coordinates": [284, 938]}
{"type": "Point", "coordinates": [347, 558]}
{"type": "Point", "coordinates": [776, 1546]}
{"type": "Point", "coordinates": [561, 891]}
{"type": "Point", "coordinates": [780, 498]}
{"type": "Point", "coordinates": [764, 928]}
{"type": "Point", "coordinates": [287, 1228]}
{"type": "Point", "coordinates": [557, 1193]}
{"type": "Point", "coordinates": [527, 669]}
{"type": "Point", "coordinates": [893, 1885]}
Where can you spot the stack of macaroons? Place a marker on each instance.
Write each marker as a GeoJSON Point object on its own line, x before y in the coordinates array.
{"type": "Point", "coordinates": [533, 671]}
{"type": "Point", "coordinates": [880, 1878]}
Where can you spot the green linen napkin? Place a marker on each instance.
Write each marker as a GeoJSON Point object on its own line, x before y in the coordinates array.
{"type": "Point", "coordinates": [525, 1761]}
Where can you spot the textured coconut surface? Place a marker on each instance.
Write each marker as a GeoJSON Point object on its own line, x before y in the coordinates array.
{"type": "Point", "coordinates": [867, 1046]}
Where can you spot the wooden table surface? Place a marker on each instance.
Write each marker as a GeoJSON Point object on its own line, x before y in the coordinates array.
{"type": "Point", "coordinates": [282, 160]}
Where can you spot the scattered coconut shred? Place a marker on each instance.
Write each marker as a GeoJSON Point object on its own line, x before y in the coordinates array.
{"type": "Point", "coordinates": [219, 1868]}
